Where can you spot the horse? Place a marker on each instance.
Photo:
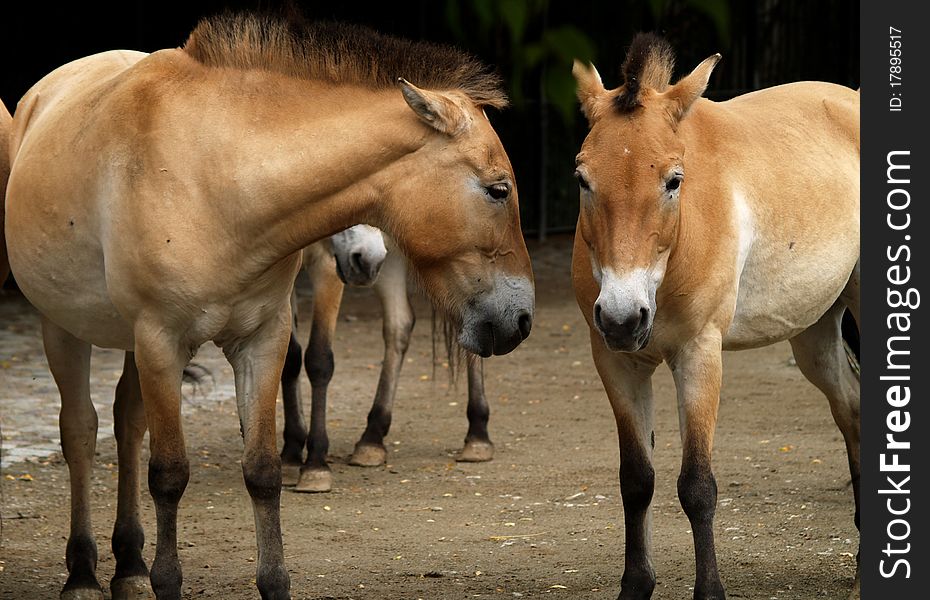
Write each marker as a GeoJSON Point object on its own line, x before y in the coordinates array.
{"type": "Point", "coordinates": [313, 474]}
{"type": "Point", "coordinates": [6, 121]}
{"type": "Point", "coordinates": [706, 227]}
{"type": "Point", "coordinates": [160, 201]}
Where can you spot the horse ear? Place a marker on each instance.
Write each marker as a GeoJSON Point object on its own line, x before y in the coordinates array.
{"type": "Point", "coordinates": [590, 88]}
{"type": "Point", "coordinates": [684, 93]}
{"type": "Point", "coordinates": [433, 108]}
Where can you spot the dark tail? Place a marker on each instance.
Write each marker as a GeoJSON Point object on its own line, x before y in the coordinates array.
{"type": "Point", "coordinates": [5, 125]}
{"type": "Point", "coordinates": [197, 375]}
{"type": "Point", "coordinates": [851, 340]}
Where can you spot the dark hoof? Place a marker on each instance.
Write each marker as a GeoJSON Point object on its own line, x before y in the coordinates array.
{"type": "Point", "coordinates": [315, 480]}
{"type": "Point", "coordinates": [476, 451]}
{"type": "Point", "coordinates": [637, 585]}
{"type": "Point", "coordinates": [132, 588]}
{"type": "Point", "coordinates": [368, 455]}
{"type": "Point", "coordinates": [290, 474]}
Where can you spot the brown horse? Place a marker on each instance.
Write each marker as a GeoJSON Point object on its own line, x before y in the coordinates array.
{"type": "Point", "coordinates": [313, 474]}
{"type": "Point", "coordinates": [157, 202]}
{"type": "Point", "coordinates": [706, 227]}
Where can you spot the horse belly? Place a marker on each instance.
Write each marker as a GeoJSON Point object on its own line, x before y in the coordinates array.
{"type": "Point", "coordinates": [63, 276]}
{"type": "Point", "coordinates": [781, 295]}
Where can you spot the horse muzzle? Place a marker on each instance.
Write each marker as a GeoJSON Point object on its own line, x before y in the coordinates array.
{"type": "Point", "coordinates": [359, 269]}
{"type": "Point", "coordinates": [624, 312]}
{"type": "Point", "coordinates": [497, 321]}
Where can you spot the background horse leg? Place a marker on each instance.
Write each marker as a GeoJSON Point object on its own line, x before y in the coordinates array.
{"type": "Point", "coordinates": [628, 382]}
{"type": "Point", "coordinates": [256, 362]}
{"type": "Point", "coordinates": [131, 579]}
{"type": "Point", "coordinates": [822, 359]}
{"type": "Point", "coordinates": [478, 446]}
{"type": "Point", "coordinates": [315, 474]}
{"type": "Point", "coordinates": [69, 362]}
{"type": "Point", "coordinates": [697, 370]}
{"type": "Point", "coordinates": [160, 361]}
{"type": "Point", "coordinates": [295, 430]}
{"type": "Point", "coordinates": [391, 288]}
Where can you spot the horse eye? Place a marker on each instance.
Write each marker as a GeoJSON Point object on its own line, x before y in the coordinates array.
{"type": "Point", "coordinates": [582, 182]}
{"type": "Point", "coordinates": [498, 191]}
{"type": "Point", "coordinates": [673, 184]}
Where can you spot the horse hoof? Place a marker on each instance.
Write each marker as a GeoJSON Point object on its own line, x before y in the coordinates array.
{"type": "Point", "coordinates": [368, 455]}
{"type": "Point", "coordinates": [315, 481]}
{"type": "Point", "coordinates": [132, 588]}
{"type": "Point", "coordinates": [290, 474]}
{"type": "Point", "coordinates": [476, 452]}
{"type": "Point", "coordinates": [82, 594]}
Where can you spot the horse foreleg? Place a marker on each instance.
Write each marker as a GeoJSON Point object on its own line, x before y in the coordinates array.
{"type": "Point", "coordinates": [160, 361]}
{"type": "Point", "coordinates": [69, 362]}
{"type": "Point", "coordinates": [821, 357]}
{"type": "Point", "coordinates": [478, 446]}
{"type": "Point", "coordinates": [391, 288]}
{"type": "Point", "coordinates": [256, 363]}
{"type": "Point", "coordinates": [315, 474]}
{"type": "Point", "coordinates": [697, 369]}
{"type": "Point", "coordinates": [628, 382]}
{"type": "Point", "coordinates": [131, 579]}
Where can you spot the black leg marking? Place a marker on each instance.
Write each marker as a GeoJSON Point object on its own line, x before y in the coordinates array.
{"type": "Point", "coordinates": [697, 491]}
{"type": "Point", "coordinates": [637, 484]}
{"type": "Point", "coordinates": [295, 430]}
{"type": "Point", "coordinates": [81, 558]}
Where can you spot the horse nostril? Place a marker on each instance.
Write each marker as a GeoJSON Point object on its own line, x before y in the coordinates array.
{"type": "Point", "coordinates": [356, 260]}
{"type": "Point", "coordinates": [597, 314]}
{"type": "Point", "coordinates": [643, 316]}
{"type": "Point", "coordinates": [525, 324]}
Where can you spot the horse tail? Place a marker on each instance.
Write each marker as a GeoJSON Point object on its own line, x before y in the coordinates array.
{"type": "Point", "coordinates": [851, 341]}
{"type": "Point", "coordinates": [446, 347]}
{"type": "Point", "coordinates": [6, 124]}
{"type": "Point", "coordinates": [197, 375]}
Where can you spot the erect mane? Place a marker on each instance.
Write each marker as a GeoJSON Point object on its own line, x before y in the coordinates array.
{"type": "Point", "coordinates": [339, 53]}
{"type": "Point", "coordinates": [648, 64]}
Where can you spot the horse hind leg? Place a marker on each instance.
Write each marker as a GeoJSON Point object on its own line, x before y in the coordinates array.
{"type": "Point", "coordinates": [295, 430]}
{"type": "Point", "coordinates": [391, 288]}
{"type": "Point", "coordinates": [478, 446]}
{"type": "Point", "coordinates": [131, 579]}
{"type": "Point", "coordinates": [315, 474]}
{"type": "Point", "coordinates": [69, 362]}
{"type": "Point", "coordinates": [822, 359]}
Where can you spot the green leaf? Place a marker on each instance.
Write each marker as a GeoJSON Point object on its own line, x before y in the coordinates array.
{"type": "Point", "coordinates": [559, 87]}
{"type": "Point", "coordinates": [514, 14]}
{"type": "Point", "coordinates": [568, 43]}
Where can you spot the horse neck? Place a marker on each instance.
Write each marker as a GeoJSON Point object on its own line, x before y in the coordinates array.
{"type": "Point", "coordinates": [704, 227]}
{"type": "Point", "coordinates": [318, 165]}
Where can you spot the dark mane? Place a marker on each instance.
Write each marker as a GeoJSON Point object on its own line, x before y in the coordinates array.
{"type": "Point", "coordinates": [648, 64]}
{"type": "Point", "coordinates": [339, 53]}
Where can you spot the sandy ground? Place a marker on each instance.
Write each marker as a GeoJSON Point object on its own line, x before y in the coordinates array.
{"type": "Point", "coordinates": [542, 520]}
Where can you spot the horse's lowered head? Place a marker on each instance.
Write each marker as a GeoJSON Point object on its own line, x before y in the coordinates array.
{"type": "Point", "coordinates": [359, 253]}
{"type": "Point", "coordinates": [631, 172]}
{"type": "Point", "coordinates": [459, 220]}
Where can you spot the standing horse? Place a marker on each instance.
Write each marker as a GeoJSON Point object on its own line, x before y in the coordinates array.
{"type": "Point", "coordinates": [157, 202]}
{"type": "Point", "coordinates": [313, 474]}
{"type": "Point", "coordinates": [706, 227]}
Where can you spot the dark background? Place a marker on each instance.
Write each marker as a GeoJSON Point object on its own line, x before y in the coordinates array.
{"type": "Point", "coordinates": [530, 42]}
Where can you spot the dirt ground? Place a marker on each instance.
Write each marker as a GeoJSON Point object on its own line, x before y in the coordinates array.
{"type": "Point", "coordinates": [542, 520]}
